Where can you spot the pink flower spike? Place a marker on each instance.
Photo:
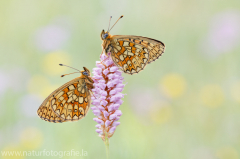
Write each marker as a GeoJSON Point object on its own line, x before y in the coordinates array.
{"type": "Point", "coordinates": [108, 85]}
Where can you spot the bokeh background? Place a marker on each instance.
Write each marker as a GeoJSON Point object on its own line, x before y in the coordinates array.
{"type": "Point", "coordinates": [185, 105]}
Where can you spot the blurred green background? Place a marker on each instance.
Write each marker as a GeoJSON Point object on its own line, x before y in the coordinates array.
{"type": "Point", "coordinates": [185, 105]}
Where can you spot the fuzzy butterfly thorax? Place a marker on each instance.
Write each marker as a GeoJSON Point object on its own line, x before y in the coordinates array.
{"type": "Point", "coordinates": [69, 102]}
{"type": "Point", "coordinates": [131, 53]}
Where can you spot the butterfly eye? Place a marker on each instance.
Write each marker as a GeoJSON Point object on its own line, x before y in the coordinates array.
{"type": "Point", "coordinates": [105, 36]}
{"type": "Point", "coordinates": [85, 73]}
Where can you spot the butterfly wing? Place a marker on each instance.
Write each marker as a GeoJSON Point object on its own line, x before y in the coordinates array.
{"type": "Point", "coordinates": [46, 113]}
{"type": "Point", "coordinates": [131, 52]}
{"type": "Point", "coordinates": [155, 47]}
{"type": "Point", "coordinates": [130, 57]}
{"type": "Point", "coordinates": [70, 102]}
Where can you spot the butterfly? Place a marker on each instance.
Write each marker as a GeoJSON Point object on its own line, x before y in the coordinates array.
{"type": "Point", "coordinates": [70, 102]}
{"type": "Point", "coordinates": [131, 53]}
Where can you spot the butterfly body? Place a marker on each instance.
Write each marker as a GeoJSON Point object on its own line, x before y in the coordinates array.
{"type": "Point", "coordinates": [69, 102]}
{"type": "Point", "coordinates": [131, 53]}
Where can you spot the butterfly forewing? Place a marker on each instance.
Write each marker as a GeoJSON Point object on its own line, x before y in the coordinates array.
{"type": "Point", "coordinates": [70, 102]}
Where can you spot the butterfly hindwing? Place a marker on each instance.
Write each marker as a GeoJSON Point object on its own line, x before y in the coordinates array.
{"type": "Point", "coordinates": [46, 113]}
{"type": "Point", "coordinates": [156, 48]}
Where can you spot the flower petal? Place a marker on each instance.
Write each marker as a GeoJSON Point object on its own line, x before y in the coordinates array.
{"type": "Point", "coordinates": [112, 129]}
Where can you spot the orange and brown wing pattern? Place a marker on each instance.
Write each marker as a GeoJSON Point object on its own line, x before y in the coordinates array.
{"type": "Point", "coordinates": [156, 48]}
{"type": "Point", "coordinates": [132, 53]}
{"type": "Point", "coordinates": [73, 102]}
{"type": "Point", "coordinates": [70, 102]}
{"type": "Point", "coordinates": [129, 56]}
{"type": "Point", "coordinates": [46, 113]}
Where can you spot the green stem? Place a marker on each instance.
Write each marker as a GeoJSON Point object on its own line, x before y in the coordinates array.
{"type": "Point", "coordinates": [107, 145]}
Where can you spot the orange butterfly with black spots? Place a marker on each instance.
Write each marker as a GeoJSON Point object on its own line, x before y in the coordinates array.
{"type": "Point", "coordinates": [131, 53]}
{"type": "Point", "coordinates": [69, 102]}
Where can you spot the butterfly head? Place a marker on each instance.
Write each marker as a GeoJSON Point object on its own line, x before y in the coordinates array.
{"type": "Point", "coordinates": [86, 74]}
{"type": "Point", "coordinates": [86, 71]}
{"type": "Point", "coordinates": [104, 35]}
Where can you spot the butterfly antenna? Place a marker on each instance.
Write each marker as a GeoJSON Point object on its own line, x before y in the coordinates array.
{"type": "Point", "coordinates": [68, 74]}
{"type": "Point", "coordinates": [69, 67]}
{"type": "Point", "coordinates": [109, 22]}
{"type": "Point", "coordinates": [116, 22]}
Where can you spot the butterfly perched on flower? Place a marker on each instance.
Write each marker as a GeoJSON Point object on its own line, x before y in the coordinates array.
{"type": "Point", "coordinates": [131, 53]}
{"type": "Point", "coordinates": [70, 102]}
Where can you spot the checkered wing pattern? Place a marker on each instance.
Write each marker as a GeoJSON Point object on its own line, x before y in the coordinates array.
{"type": "Point", "coordinates": [133, 53]}
{"type": "Point", "coordinates": [70, 102]}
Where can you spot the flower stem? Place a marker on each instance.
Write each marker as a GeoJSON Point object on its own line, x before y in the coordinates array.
{"type": "Point", "coordinates": [107, 145]}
